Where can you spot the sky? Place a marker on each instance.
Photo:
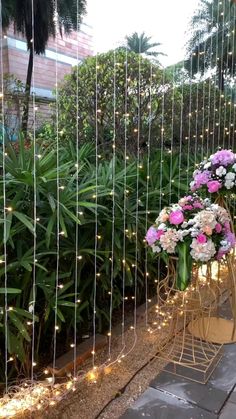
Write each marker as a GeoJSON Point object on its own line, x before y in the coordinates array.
{"type": "Point", "coordinates": [166, 21]}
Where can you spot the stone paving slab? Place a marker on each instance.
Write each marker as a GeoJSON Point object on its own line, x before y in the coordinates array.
{"type": "Point", "coordinates": [155, 404]}
{"type": "Point", "coordinates": [210, 396]}
{"type": "Point", "coordinates": [229, 411]}
{"type": "Point", "coordinates": [172, 396]}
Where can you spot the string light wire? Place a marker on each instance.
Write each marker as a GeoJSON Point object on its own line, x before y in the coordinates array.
{"type": "Point", "coordinates": [113, 202]}
{"type": "Point", "coordinates": [77, 192]}
{"type": "Point", "coordinates": [147, 193]}
{"type": "Point", "coordinates": [96, 211]}
{"type": "Point", "coordinates": [125, 202]}
{"type": "Point", "coordinates": [4, 208]}
{"type": "Point", "coordinates": [35, 200]}
{"type": "Point", "coordinates": [57, 195]}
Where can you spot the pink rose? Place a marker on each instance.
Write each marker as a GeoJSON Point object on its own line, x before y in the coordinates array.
{"type": "Point", "coordinates": [201, 238]}
{"type": "Point", "coordinates": [213, 186]}
{"type": "Point", "coordinates": [218, 228]}
{"type": "Point", "coordinates": [151, 236]}
{"type": "Point", "coordinates": [160, 233]}
{"type": "Point", "coordinates": [176, 217]}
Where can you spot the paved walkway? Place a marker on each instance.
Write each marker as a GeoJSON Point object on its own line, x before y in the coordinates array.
{"type": "Point", "coordinates": [172, 397]}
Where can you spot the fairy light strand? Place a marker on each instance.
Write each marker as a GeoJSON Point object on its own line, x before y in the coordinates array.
{"type": "Point", "coordinates": [96, 215]}
{"type": "Point", "coordinates": [58, 197]}
{"type": "Point", "coordinates": [35, 204]}
{"type": "Point", "coordinates": [77, 192]}
{"type": "Point", "coordinates": [125, 202]}
{"type": "Point", "coordinates": [209, 88]}
{"type": "Point", "coordinates": [197, 105]}
{"type": "Point", "coordinates": [4, 208]}
{"type": "Point", "coordinates": [181, 129]}
{"type": "Point", "coordinates": [137, 195]}
{"type": "Point", "coordinates": [225, 129]}
{"type": "Point", "coordinates": [162, 139]}
{"type": "Point", "coordinates": [215, 109]}
{"type": "Point", "coordinates": [172, 133]}
{"type": "Point", "coordinates": [221, 76]}
{"type": "Point", "coordinates": [189, 120]}
{"type": "Point", "coordinates": [113, 201]}
{"type": "Point", "coordinates": [147, 194]}
{"type": "Point", "coordinates": [231, 117]}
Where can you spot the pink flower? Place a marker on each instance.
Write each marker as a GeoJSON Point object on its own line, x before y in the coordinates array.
{"type": "Point", "coordinates": [151, 236]}
{"type": "Point", "coordinates": [218, 228]}
{"type": "Point", "coordinates": [201, 178]}
{"type": "Point", "coordinates": [176, 217]}
{"type": "Point", "coordinates": [231, 238]}
{"type": "Point", "coordinates": [201, 238]}
{"type": "Point", "coordinates": [213, 186]}
{"type": "Point", "coordinates": [197, 205]}
{"type": "Point", "coordinates": [227, 227]}
{"type": "Point", "coordinates": [220, 254]}
{"type": "Point", "coordinates": [187, 207]}
{"type": "Point", "coordinates": [207, 230]}
{"type": "Point", "coordinates": [223, 157]}
{"type": "Point", "coordinates": [160, 233]}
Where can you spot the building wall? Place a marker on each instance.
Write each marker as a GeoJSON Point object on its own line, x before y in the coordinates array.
{"type": "Point", "coordinates": [63, 52]}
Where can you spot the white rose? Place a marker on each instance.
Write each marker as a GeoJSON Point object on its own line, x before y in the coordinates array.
{"type": "Point", "coordinates": [221, 171]}
{"type": "Point", "coordinates": [234, 167]}
{"type": "Point", "coordinates": [184, 225]}
{"type": "Point", "coordinates": [207, 165]}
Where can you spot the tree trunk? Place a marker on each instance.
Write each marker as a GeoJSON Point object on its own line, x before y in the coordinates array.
{"type": "Point", "coordinates": [25, 116]}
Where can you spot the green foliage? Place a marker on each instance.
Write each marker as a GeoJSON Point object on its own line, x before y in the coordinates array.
{"type": "Point", "coordinates": [20, 236]}
{"type": "Point", "coordinates": [140, 44]}
{"type": "Point", "coordinates": [80, 99]}
{"type": "Point", "coordinates": [212, 43]}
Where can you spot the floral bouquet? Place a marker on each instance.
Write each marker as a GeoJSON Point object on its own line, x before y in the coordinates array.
{"type": "Point", "coordinates": [217, 174]}
{"type": "Point", "coordinates": [192, 230]}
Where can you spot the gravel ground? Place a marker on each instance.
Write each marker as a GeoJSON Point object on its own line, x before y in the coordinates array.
{"type": "Point", "coordinates": [89, 398]}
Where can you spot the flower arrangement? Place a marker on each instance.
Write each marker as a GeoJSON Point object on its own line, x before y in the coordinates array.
{"type": "Point", "coordinates": [192, 230]}
{"type": "Point", "coordinates": [217, 174]}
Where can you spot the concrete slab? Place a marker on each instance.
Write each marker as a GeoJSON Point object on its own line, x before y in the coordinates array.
{"type": "Point", "coordinates": [154, 404]}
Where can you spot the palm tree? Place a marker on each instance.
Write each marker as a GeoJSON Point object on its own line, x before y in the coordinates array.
{"type": "Point", "coordinates": [19, 12]}
{"type": "Point", "coordinates": [212, 45]}
{"type": "Point", "coordinates": [140, 44]}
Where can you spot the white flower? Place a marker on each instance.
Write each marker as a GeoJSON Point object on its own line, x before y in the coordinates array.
{"type": "Point", "coordinates": [207, 165]}
{"type": "Point", "coordinates": [229, 184]}
{"type": "Point", "coordinates": [207, 202]}
{"type": "Point", "coordinates": [169, 239]}
{"type": "Point", "coordinates": [230, 176]}
{"type": "Point", "coordinates": [156, 249]}
{"type": "Point", "coordinates": [202, 252]}
{"type": "Point", "coordinates": [205, 218]}
{"type": "Point", "coordinates": [221, 171]}
{"type": "Point", "coordinates": [184, 225]}
{"type": "Point", "coordinates": [162, 226]}
{"type": "Point", "coordinates": [234, 167]}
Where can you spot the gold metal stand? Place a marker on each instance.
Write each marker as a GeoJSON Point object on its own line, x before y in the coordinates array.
{"type": "Point", "coordinates": [218, 329]}
{"type": "Point", "coordinates": [183, 352]}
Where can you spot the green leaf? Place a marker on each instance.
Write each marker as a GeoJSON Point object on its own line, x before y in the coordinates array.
{"type": "Point", "coordinates": [10, 291]}
{"type": "Point", "coordinates": [25, 220]}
